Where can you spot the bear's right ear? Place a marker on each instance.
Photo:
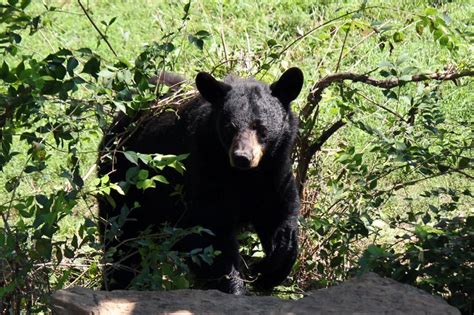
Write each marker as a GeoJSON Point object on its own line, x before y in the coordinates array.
{"type": "Point", "coordinates": [212, 90]}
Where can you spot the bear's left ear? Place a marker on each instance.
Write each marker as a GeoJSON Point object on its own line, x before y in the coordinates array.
{"type": "Point", "coordinates": [212, 90]}
{"type": "Point", "coordinates": [288, 86]}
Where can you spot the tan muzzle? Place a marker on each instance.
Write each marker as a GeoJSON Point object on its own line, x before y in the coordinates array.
{"type": "Point", "coordinates": [245, 151]}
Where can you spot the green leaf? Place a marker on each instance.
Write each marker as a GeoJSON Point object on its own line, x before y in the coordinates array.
{"type": "Point", "coordinates": [437, 34]}
{"type": "Point", "coordinates": [125, 61]}
{"type": "Point", "coordinates": [202, 34]}
{"type": "Point", "coordinates": [118, 189]}
{"type": "Point", "coordinates": [443, 168]}
{"type": "Point", "coordinates": [24, 4]}
{"type": "Point", "coordinates": [420, 26]}
{"type": "Point", "coordinates": [470, 222]}
{"type": "Point", "coordinates": [167, 47]}
{"type": "Point", "coordinates": [131, 174]}
{"type": "Point", "coordinates": [405, 78]}
{"type": "Point", "coordinates": [271, 42]}
{"type": "Point", "coordinates": [385, 73]}
{"type": "Point", "coordinates": [398, 37]}
{"type": "Point", "coordinates": [72, 63]}
{"type": "Point", "coordinates": [425, 230]}
{"type": "Point", "coordinates": [390, 94]}
{"type": "Point", "coordinates": [433, 208]}
{"type": "Point", "coordinates": [4, 71]}
{"type": "Point", "coordinates": [464, 162]}
{"type": "Point", "coordinates": [44, 248]}
{"type": "Point", "coordinates": [181, 283]}
{"type": "Point", "coordinates": [131, 156]}
{"type": "Point", "coordinates": [431, 11]}
{"type": "Point", "coordinates": [19, 69]}
{"type": "Point", "coordinates": [186, 7]}
{"type": "Point", "coordinates": [408, 70]}
{"type": "Point", "coordinates": [143, 174]}
{"type": "Point", "coordinates": [112, 20]}
{"type": "Point", "coordinates": [85, 51]}
{"type": "Point", "coordinates": [12, 184]}
{"type": "Point", "coordinates": [444, 40]}
{"type": "Point", "coordinates": [375, 250]}
{"type": "Point", "coordinates": [198, 42]}
{"type": "Point", "coordinates": [92, 67]}
{"type": "Point", "coordinates": [373, 184]}
{"type": "Point", "coordinates": [145, 184]}
{"type": "Point", "coordinates": [57, 71]}
{"type": "Point", "coordinates": [160, 178]}
{"type": "Point", "coordinates": [402, 58]}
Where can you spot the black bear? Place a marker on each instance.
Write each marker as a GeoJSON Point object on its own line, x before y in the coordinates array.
{"type": "Point", "coordinates": [239, 134]}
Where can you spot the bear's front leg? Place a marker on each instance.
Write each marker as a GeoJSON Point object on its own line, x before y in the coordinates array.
{"type": "Point", "coordinates": [277, 228]}
{"type": "Point", "coordinates": [280, 244]}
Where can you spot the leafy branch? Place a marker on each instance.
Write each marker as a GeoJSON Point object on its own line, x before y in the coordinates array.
{"type": "Point", "coordinates": [307, 148]}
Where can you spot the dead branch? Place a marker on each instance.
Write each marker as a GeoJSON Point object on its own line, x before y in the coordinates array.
{"type": "Point", "coordinates": [315, 95]}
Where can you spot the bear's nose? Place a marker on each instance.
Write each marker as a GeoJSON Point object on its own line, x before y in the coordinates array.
{"type": "Point", "coordinates": [241, 159]}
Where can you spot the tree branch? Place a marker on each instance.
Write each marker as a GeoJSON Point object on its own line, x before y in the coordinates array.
{"type": "Point", "coordinates": [326, 134]}
{"type": "Point", "coordinates": [307, 149]}
{"type": "Point", "coordinates": [316, 93]}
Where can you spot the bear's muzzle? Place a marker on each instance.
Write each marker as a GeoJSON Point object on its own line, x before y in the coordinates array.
{"type": "Point", "coordinates": [246, 151]}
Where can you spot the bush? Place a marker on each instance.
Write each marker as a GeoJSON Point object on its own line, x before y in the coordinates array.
{"type": "Point", "coordinates": [437, 259]}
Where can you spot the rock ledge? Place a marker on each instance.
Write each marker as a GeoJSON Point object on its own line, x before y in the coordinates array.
{"type": "Point", "coordinates": [369, 294]}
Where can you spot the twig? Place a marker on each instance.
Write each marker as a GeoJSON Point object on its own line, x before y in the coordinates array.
{"type": "Point", "coordinates": [96, 28]}
{"type": "Point", "coordinates": [408, 183]}
{"type": "Point", "coordinates": [311, 31]}
{"type": "Point", "coordinates": [381, 106]}
{"type": "Point", "coordinates": [224, 45]}
{"type": "Point", "coordinates": [339, 59]}
{"type": "Point", "coordinates": [462, 173]}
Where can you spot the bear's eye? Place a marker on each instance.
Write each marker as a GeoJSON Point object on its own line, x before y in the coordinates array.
{"type": "Point", "coordinates": [261, 129]}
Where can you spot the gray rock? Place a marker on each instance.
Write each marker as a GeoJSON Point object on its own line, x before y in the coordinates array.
{"type": "Point", "coordinates": [369, 294]}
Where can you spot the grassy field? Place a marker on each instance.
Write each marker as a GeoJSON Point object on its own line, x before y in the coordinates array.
{"type": "Point", "coordinates": [249, 38]}
{"type": "Point", "coordinates": [242, 36]}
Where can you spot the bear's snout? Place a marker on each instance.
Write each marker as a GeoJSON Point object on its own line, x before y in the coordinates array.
{"type": "Point", "coordinates": [246, 151]}
{"type": "Point", "coordinates": [241, 159]}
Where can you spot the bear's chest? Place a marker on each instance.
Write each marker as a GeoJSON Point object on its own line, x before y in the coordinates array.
{"type": "Point", "coordinates": [231, 194]}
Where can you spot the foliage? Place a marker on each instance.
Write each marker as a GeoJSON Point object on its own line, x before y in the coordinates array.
{"type": "Point", "coordinates": [51, 108]}
{"type": "Point", "coordinates": [164, 268]}
{"type": "Point", "coordinates": [436, 258]}
{"type": "Point", "coordinates": [386, 172]}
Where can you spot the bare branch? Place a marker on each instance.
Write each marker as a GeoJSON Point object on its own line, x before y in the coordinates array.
{"type": "Point", "coordinates": [316, 93]}
{"type": "Point", "coordinates": [96, 28]}
{"type": "Point", "coordinates": [307, 151]}
{"type": "Point", "coordinates": [408, 183]}
{"type": "Point", "coordinates": [326, 134]}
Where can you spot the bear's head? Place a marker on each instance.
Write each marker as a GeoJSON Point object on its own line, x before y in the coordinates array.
{"type": "Point", "coordinates": [253, 118]}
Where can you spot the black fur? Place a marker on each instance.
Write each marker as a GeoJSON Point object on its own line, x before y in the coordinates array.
{"type": "Point", "coordinates": [218, 196]}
